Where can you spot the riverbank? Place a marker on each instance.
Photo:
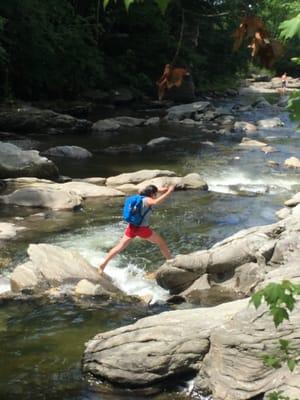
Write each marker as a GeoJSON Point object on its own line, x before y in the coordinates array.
{"type": "Point", "coordinates": [244, 190]}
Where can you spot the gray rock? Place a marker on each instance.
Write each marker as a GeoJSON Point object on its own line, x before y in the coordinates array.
{"type": "Point", "coordinates": [247, 142]}
{"type": "Point", "coordinates": [105, 125]}
{"type": "Point", "coordinates": [269, 123]}
{"type": "Point", "coordinates": [85, 189]}
{"type": "Point", "coordinates": [29, 119]}
{"type": "Point", "coordinates": [52, 266]}
{"type": "Point", "coordinates": [152, 121]}
{"type": "Point", "coordinates": [156, 348]}
{"type": "Point", "coordinates": [130, 122]}
{"type": "Point", "coordinates": [159, 142]}
{"type": "Point", "coordinates": [87, 288]}
{"type": "Point", "coordinates": [233, 368]}
{"type": "Point", "coordinates": [68, 151]}
{"type": "Point", "coordinates": [294, 201]}
{"type": "Point", "coordinates": [137, 177]}
{"type": "Point", "coordinates": [244, 126]}
{"type": "Point", "coordinates": [223, 344]}
{"type": "Point", "coordinates": [44, 197]}
{"type": "Point", "coordinates": [16, 162]}
{"type": "Point", "coordinates": [177, 113]}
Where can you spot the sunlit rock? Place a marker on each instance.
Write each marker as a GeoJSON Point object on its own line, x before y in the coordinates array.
{"type": "Point", "coordinates": [52, 266]}
{"type": "Point", "coordinates": [44, 197]}
{"type": "Point", "coordinates": [292, 162]}
{"type": "Point", "coordinates": [269, 123]}
{"type": "Point", "coordinates": [8, 231]}
{"type": "Point", "coordinates": [246, 142]}
{"type": "Point", "coordinates": [137, 177]}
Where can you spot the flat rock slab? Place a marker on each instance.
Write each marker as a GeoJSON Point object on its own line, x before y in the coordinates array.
{"type": "Point", "coordinates": [155, 348]}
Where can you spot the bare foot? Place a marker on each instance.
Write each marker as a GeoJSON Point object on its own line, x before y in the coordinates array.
{"type": "Point", "coordinates": [101, 269]}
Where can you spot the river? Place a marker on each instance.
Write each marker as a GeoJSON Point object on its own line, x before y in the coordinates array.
{"type": "Point", "coordinates": [41, 342]}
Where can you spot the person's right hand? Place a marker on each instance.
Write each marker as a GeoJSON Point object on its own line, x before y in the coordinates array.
{"type": "Point", "coordinates": [171, 188]}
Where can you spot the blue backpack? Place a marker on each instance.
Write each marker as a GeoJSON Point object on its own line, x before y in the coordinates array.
{"type": "Point", "coordinates": [132, 211]}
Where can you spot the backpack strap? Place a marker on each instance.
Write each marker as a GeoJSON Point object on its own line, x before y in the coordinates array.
{"type": "Point", "coordinates": [143, 216]}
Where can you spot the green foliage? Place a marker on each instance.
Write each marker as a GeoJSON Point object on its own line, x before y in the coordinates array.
{"type": "Point", "coordinates": [290, 28]}
{"type": "Point", "coordinates": [280, 299]}
{"type": "Point", "coordinates": [162, 4]}
{"type": "Point", "coordinates": [285, 354]}
{"type": "Point", "coordinates": [51, 51]}
{"type": "Point", "coordinates": [294, 105]}
{"type": "Point", "coordinates": [278, 396]}
{"type": "Point", "coordinates": [3, 54]}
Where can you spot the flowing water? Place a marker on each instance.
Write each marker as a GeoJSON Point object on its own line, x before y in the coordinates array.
{"type": "Point", "coordinates": [42, 343]}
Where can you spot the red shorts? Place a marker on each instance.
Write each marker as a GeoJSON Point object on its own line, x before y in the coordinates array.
{"type": "Point", "coordinates": [141, 231]}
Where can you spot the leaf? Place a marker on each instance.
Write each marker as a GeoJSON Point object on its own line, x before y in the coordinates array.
{"type": "Point", "coordinates": [289, 300]}
{"type": "Point", "coordinates": [163, 5]}
{"type": "Point", "coordinates": [271, 361]}
{"type": "Point", "coordinates": [128, 3]}
{"type": "Point", "coordinates": [256, 299]}
{"type": "Point", "coordinates": [273, 292]}
{"type": "Point", "coordinates": [296, 60]}
{"type": "Point", "coordinates": [279, 314]}
{"type": "Point", "coordinates": [291, 365]}
{"type": "Point", "coordinates": [284, 344]}
{"type": "Point", "coordinates": [290, 28]}
{"type": "Point", "coordinates": [105, 3]}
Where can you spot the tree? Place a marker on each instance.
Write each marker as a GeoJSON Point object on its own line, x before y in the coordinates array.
{"type": "Point", "coordinates": [291, 29]}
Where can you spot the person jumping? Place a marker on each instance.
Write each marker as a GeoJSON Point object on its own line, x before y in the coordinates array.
{"type": "Point", "coordinates": [148, 197]}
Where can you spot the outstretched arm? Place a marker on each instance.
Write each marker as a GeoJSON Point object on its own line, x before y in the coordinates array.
{"type": "Point", "coordinates": [161, 198]}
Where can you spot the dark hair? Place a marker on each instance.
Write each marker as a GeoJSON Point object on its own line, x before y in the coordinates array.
{"type": "Point", "coordinates": [149, 191]}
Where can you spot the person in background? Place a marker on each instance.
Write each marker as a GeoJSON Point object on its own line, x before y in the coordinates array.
{"type": "Point", "coordinates": [284, 82]}
{"type": "Point", "coordinates": [151, 198]}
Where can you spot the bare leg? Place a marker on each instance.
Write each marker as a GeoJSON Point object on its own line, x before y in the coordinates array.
{"type": "Point", "coordinates": [163, 247]}
{"type": "Point", "coordinates": [123, 243]}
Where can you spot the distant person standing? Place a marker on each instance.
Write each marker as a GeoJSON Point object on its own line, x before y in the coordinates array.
{"type": "Point", "coordinates": [284, 82]}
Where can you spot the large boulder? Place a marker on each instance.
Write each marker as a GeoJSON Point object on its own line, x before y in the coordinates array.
{"type": "Point", "coordinates": [190, 181]}
{"type": "Point", "coordinates": [155, 348]}
{"type": "Point", "coordinates": [43, 197]}
{"type": "Point", "coordinates": [223, 345]}
{"type": "Point", "coordinates": [16, 162]}
{"type": "Point", "coordinates": [233, 369]}
{"type": "Point", "coordinates": [86, 189]}
{"type": "Point", "coordinates": [52, 266]}
{"type": "Point", "coordinates": [180, 112]}
{"type": "Point", "coordinates": [30, 119]}
{"type": "Point", "coordinates": [221, 262]}
{"type": "Point", "coordinates": [137, 177]}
